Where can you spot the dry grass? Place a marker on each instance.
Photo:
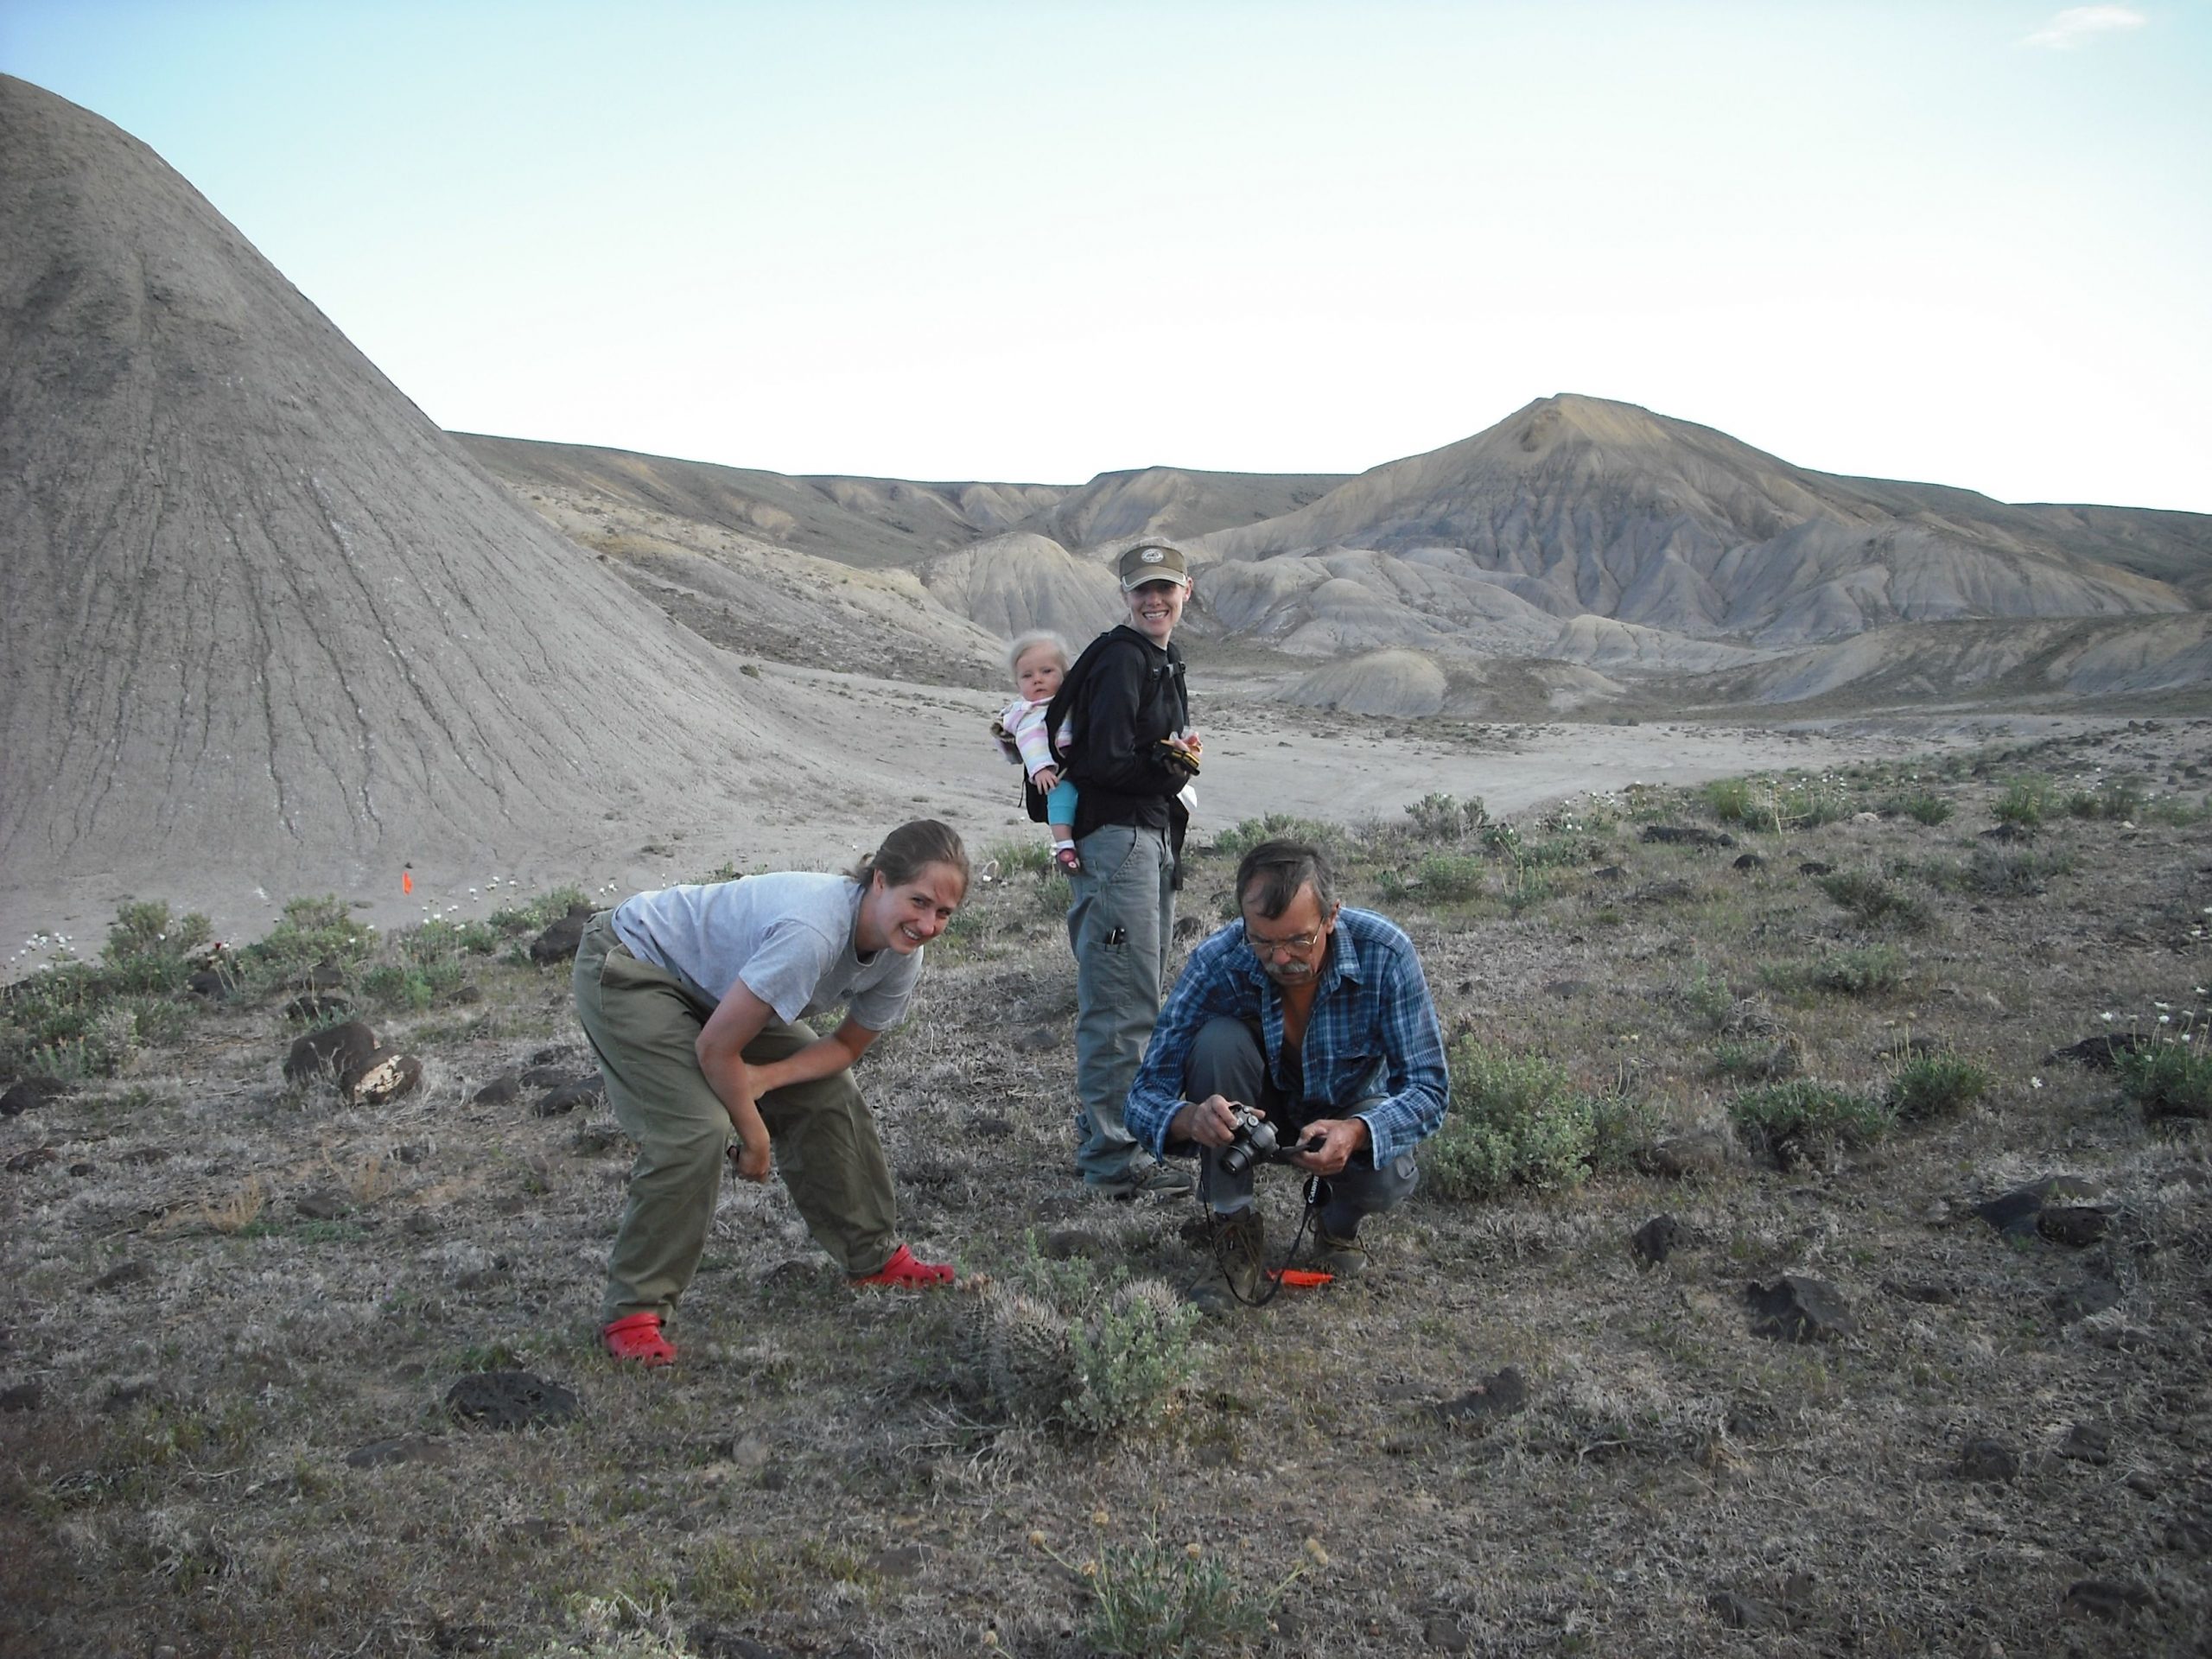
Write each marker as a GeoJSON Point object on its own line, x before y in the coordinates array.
{"type": "Point", "coordinates": [824, 1473]}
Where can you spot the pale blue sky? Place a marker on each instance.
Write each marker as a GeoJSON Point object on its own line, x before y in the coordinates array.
{"type": "Point", "coordinates": [1965, 243]}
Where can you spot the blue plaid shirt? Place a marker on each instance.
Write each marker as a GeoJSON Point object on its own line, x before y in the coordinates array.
{"type": "Point", "coordinates": [1371, 1041]}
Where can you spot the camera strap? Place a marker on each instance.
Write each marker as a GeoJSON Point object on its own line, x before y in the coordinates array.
{"type": "Point", "coordinates": [1316, 1195]}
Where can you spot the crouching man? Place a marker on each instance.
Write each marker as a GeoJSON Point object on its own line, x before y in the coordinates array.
{"type": "Point", "coordinates": [1318, 1019]}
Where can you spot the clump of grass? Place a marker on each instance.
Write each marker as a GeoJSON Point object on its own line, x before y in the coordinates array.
{"type": "Point", "coordinates": [78, 1020]}
{"type": "Point", "coordinates": [2113, 798]}
{"type": "Point", "coordinates": [535, 915]}
{"type": "Point", "coordinates": [1924, 806]}
{"type": "Point", "coordinates": [1859, 970]}
{"type": "Point", "coordinates": [731, 1575]}
{"type": "Point", "coordinates": [2023, 803]}
{"type": "Point", "coordinates": [1031, 855]}
{"type": "Point", "coordinates": [1444, 878]}
{"type": "Point", "coordinates": [1706, 995]}
{"type": "Point", "coordinates": [1998, 872]}
{"type": "Point", "coordinates": [1090, 1351]}
{"type": "Point", "coordinates": [1518, 1120]}
{"type": "Point", "coordinates": [311, 931]}
{"type": "Point", "coordinates": [1153, 1600]}
{"type": "Point", "coordinates": [1929, 1086]}
{"type": "Point", "coordinates": [1240, 838]}
{"type": "Point", "coordinates": [1442, 817]}
{"type": "Point", "coordinates": [1872, 900]}
{"type": "Point", "coordinates": [2169, 1081]}
{"type": "Point", "coordinates": [1803, 1120]}
{"type": "Point", "coordinates": [148, 949]}
{"type": "Point", "coordinates": [1793, 801]}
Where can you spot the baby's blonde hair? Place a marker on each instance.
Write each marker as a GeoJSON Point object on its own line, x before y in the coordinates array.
{"type": "Point", "coordinates": [1028, 642]}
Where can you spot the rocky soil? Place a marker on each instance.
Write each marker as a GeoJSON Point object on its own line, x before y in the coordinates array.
{"type": "Point", "coordinates": [301, 1358]}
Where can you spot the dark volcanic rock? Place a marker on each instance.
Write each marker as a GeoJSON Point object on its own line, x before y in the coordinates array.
{"type": "Point", "coordinates": [121, 1274]}
{"type": "Point", "coordinates": [2103, 1051]}
{"type": "Point", "coordinates": [1988, 1460]}
{"type": "Point", "coordinates": [28, 1094]}
{"type": "Point", "coordinates": [510, 1400]}
{"type": "Point", "coordinates": [2018, 1213]}
{"type": "Point", "coordinates": [1742, 1612]}
{"type": "Point", "coordinates": [1933, 1295]}
{"type": "Point", "coordinates": [1500, 1394]}
{"type": "Point", "coordinates": [2107, 1598]}
{"type": "Point", "coordinates": [498, 1091]}
{"type": "Point", "coordinates": [2073, 1224]}
{"type": "Point", "coordinates": [1445, 1634]}
{"type": "Point", "coordinates": [2085, 1443]}
{"type": "Point", "coordinates": [324, 1203]}
{"type": "Point", "coordinates": [384, 1075]}
{"type": "Point", "coordinates": [1699, 1151]}
{"type": "Point", "coordinates": [558, 942]}
{"type": "Point", "coordinates": [334, 1051]}
{"type": "Point", "coordinates": [577, 1092]}
{"type": "Point", "coordinates": [1749, 862]}
{"type": "Point", "coordinates": [405, 1448]}
{"type": "Point", "coordinates": [1797, 1309]}
{"type": "Point", "coordinates": [1685, 836]}
{"type": "Point", "coordinates": [317, 1005]}
{"type": "Point", "coordinates": [1655, 1241]}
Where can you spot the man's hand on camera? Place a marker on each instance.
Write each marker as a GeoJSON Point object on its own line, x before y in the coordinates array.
{"type": "Point", "coordinates": [1210, 1122]}
{"type": "Point", "coordinates": [1340, 1137]}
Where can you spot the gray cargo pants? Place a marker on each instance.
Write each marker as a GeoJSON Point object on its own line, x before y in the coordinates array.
{"type": "Point", "coordinates": [1119, 925]}
{"type": "Point", "coordinates": [644, 1023]}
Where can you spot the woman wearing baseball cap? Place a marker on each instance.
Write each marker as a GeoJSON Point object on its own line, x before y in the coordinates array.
{"type": "Point", "coordinates": [1132, 754]}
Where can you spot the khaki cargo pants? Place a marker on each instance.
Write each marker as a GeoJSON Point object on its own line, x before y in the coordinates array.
{"type": "Point", "coordinates": [644, 1023]}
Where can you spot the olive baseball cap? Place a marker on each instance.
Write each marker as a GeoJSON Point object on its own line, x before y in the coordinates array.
{"type": "Point", "coordinates": [1153, 561]}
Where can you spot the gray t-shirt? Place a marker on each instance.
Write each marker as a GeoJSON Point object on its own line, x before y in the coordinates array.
{"type": "Point", "coordinates": [789, 936]}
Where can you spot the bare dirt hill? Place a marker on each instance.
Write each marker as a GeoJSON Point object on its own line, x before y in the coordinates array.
{"type": "Point", "coordinates": [1578, 505]}
{"type": "Point", "coordinates": [261, 625]}
{"type": "Point", "coordinates": [862, 521]}
{"type": "Point", "coordinates": [1171, 501]}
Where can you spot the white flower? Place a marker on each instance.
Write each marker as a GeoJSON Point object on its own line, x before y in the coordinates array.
{"type": "Point", "coordinates": [2165, 1018]}
{"type": "Point", "coordinates": [2035, 1082]}
{"type": "Point", "coordinates": [2105, 1018]}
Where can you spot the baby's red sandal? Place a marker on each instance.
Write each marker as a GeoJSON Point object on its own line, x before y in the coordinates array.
{"type": "Point", "coordinates": [904, 1272]}
{"type": "Point", "coordinates": [637, 1337]}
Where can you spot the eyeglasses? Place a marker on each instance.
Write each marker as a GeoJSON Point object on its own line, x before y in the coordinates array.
{"type": "Point", "coordinates": [1297, 944]}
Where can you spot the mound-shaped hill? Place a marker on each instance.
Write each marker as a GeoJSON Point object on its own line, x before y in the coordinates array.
{"type": "Point", "coordinates": [1577, 505]}
{"type": "Point", "coordinates": [1013, 583]}
{"type": "Point", "coordinates": [2050, 663]}
{"type": "Point", "coordinates": [1170, 501]}
{"type": "Point", "coordinates": [862, 521]}
{"type": "Point", "coordinates": [261, 623]}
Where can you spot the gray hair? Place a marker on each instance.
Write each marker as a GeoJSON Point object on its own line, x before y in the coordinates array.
{"type": "Point", "coordinates": [1270, 875]}
{"type": "Point", "coordinates": [1025, 644]}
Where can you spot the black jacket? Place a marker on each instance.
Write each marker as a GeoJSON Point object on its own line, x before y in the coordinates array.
{"type": "Point", "coordinates": [1131, 697]}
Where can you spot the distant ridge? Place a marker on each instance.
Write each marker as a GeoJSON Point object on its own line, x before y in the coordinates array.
{"type": "Point", "coordinates": [1578, 504]}
{"type": "Point", "coordinates": [261, 625]}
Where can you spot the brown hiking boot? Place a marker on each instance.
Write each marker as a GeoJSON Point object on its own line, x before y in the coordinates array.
{"type": "Point", "coordinates": [1235, 1275]}
{"type": "Point", "coordinates": [1346, 1258]}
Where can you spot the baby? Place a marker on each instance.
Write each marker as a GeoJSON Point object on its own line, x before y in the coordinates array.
{"type": "Point", "coordinates": [1040, 662]}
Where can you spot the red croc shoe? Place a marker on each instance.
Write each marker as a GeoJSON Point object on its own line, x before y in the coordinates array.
{"type": "Point", "coordinates": [636, 1336]}
{"type": "Point", "coordinates": [904, 1272]}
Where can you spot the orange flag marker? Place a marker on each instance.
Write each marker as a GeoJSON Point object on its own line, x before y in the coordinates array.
{"type": "Point", "coordinates": [406, 880]}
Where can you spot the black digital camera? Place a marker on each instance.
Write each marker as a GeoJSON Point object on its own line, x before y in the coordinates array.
{"type": "Point", "coordinates": [1255, 1142]}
